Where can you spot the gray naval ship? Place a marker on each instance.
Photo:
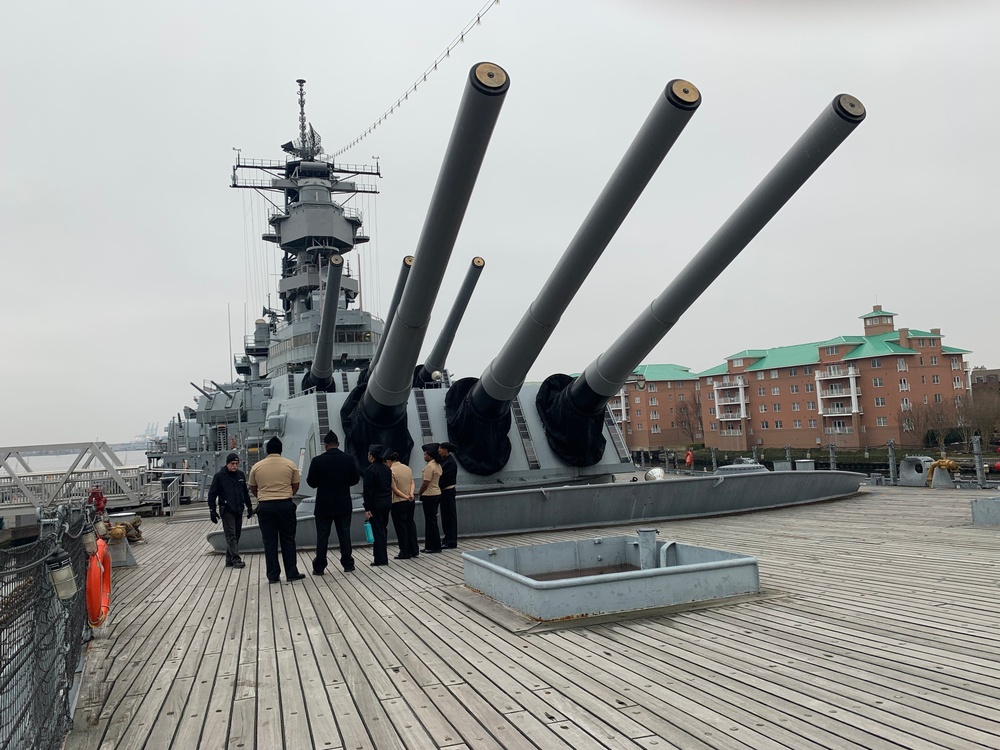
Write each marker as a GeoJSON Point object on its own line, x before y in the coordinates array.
{"type": "Point", "coordinates": [531, 455]}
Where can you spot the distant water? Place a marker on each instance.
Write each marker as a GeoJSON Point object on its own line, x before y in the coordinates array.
{"type": "Point", "coordinates": [62, 461]}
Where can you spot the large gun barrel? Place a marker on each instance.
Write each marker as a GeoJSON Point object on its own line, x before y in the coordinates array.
{"type": "Point", "coordinates": [439, 354]}
{"type": "Point", "coordinates": [479, 412]}
{"type": "Point", "coordinates": [320, 373]}
{"type": "Point", "coordinates": [381, 413]}
{"type": "Point", "coordinates": [588, 395]}
{"type": "Point", "coordinates": [404, 272]}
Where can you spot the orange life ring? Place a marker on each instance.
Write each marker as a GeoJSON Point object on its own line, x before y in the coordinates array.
{"type": "Point", "coordinates": [99, 585]}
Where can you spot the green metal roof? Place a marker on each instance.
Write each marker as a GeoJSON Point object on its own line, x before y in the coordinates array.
{"type": "Point", "coordinates": [717, 370]}
{"type": "Point", "coordinates": [787, 356]}
{"type": "Point", "coordinates": [954, 350]}
{"type": "Point", "coordinates": [665, 372]}
{"type": "Point", "coordinates": [876, 314]}
{"type": "Point", "coordinates": [748, 354]}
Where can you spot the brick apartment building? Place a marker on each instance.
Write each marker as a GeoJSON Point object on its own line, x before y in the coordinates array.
{"type": "Point", "coordinates": [853, 391]}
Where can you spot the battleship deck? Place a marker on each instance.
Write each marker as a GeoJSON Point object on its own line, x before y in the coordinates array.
{"type": "Point", "coordinates": [876, 628]}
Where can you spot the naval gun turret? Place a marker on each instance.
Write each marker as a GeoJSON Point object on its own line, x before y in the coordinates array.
{"type": "Point", "coordinates": [479, 411]}
{"type": "Point", "coordinates": [432, 370]}
{"type": "Point", "coordinates": [572, 409]}
{"type": "Point", "coordinates": [320, 374]}
{"type": "Point", "coordinates": [376, 411]}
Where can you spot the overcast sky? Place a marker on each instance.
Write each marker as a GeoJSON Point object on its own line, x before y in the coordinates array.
{"type": "Point", "coordinates": [129, 264]}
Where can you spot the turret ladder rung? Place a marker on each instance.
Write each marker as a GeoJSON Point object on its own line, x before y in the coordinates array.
{"type": "Point", "coordinates": [522, 430]}
{"type": "Point", "coordinates": [343, 376]}
{"type": "Point", "coordinates": [291, 384]}
{"type": "Point", "coordinates": [616, 437]}
{"type": "Point", "coordinates": [322, 414]}
{"type": "Point", "coordinates": [425, 420]}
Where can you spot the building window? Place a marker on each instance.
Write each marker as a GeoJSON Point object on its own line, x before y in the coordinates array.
{"type": "Point", "coordinates": [901, 364]}
{"type": "Point", "coordinates": [637, 400]}
{"type": "Point", "coordinates": [810, 406]}
{"type": "Point", "coordinates": [810, 387]}
{"type": "Point", "coordinates": [655, 429]}
{"type": "Point", "coordinates": [711, 411]}
{"type": "Point", "coordinates": [807, 370]}
{"type": "Point", "coordinates": [738, 362]}
{"type": "Point", "coordinates": [652, 401]}
{"type": "Point", "coordinates": [921, 343]}
{"type": "Point", "coordinates": [876, 363]}
{"type": "Point", "coordinates": [652, 387]}
{"type": "Point", "coordinates": [761, 391]}
{"type": "Point", "coordinates": [923, 380]}
{"type": "Point", "coordinates": [878, 382]}
{"type": "Point", "coordinates": [793, 372]}
{"type": "Point", "coordinates": [937, 398]}
{"type": "Point", "coordinates": [793, 389]}
{"type": "Point", "coordinates": [903, 385]}
{"type": "Point", "coordinates": [638, 426]}
{"type": "Point", "coordinates": [713, 426]}
{"type": "Point", "coordinates": [776, 407]}
{"type": "Point", "coordinates": [905, 404]}
{"type": "Point", "coordinates": [879, 401]}
{"type": "Point", "coordinates": [763, 408]}
{"type": "Point", "coordinates": [776, 390]}
{"type": "Point", "coordinates": [774, 374]}
{"type": "Point", "coordinates": [795, 406]}
{"type": "Point", "coordinates": [680, 396]}
{"type": "Point", "coordinates": [778, 424]}
{"type": "Point", "coordinates": [881, 421]}
{"type": "Point", "coordinates": [638, 412]}
{"type": "Point", "coordinates": [812, 424]}
{"type": "Point", "coordinates": [958, 381]}
{"type": "Point", "coordinates": [933, 360]}
{"type": "Point", "coordinates": [763, 425]}
{"type": "Point", "coordinates": [832, 350]}
{"type": "Point", "coordinates": [711, 395]}
{"type": "Point", "coordinates": [935, 379]}
{"type": "Point", "coordinates": [654, 415]}
{"type": "Point", "coordinates": [760, 375]}
{"type": "Point", "coordinates": [797, 424]}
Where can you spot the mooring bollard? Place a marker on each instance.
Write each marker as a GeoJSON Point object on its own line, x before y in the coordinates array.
{"type": "Point", "coordinates": [647, 548]}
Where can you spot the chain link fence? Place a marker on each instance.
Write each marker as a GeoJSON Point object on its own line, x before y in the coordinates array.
{"type": "Point", "coordinates": [41, 636]}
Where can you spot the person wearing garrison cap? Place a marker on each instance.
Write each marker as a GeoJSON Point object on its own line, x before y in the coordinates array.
{"type": "Point", "coordinates": [227, 497]}
{"type": "Point", "coordinates": [274, 480]}
{"type": "Point", "coordinates": [333, 473]}
{"type": "Point", "coordinates": [430, 497]}
{"type": "Point", "coordinates": [449, 477]}
{"type": "Point", "coordinates": [378, 501]}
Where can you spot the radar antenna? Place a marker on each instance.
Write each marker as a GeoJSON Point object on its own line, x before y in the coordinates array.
{"type": "Point", "coordinates": [309, 143]}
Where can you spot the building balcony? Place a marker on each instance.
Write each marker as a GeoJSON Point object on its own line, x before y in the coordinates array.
{"type": "Point", "coordinates": [838, 430]}
{"type": "Point", "coordinates": [731, 433]}
{"type": "Point", "coordinates": [834, 412]}
{"type": "Point", "coordinates": [842, 392]}
{"type": "Point", "coordinates": [720, 384]}
{"type": "Point", "coordinates": [830, 374]}
{"type": "Point", "coordinates": [902, 368]}
{"type": "Point", "coordinates": [733, 400]}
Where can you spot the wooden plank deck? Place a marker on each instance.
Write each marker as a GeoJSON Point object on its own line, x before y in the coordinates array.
{"type": "Point", "coordinates": [880, 628]}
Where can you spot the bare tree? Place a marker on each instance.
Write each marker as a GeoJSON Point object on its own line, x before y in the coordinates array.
{"type": "Point", "coordinates": [981, 414]}
{"type": "Point", "coordinates": [691, 424]}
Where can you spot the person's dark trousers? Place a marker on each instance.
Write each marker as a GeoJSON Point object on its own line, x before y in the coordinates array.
{"type": "Point", "coordinates": [232, 525]}
{"type": "Point", "coordinates": [380, 522]}
{"type": "Point", "coordinates": [277, 526]}
{"type": "Point", "coordinates": [343, 525]}
{"type": "Point", "coordinates": [406, 529]}
{"type": "Point", "coordinates": [432, 537]}
{"type": "Point", "coordinates": [411, 528]}
{"type": "Point", "coordinates": [323, 526]}
{"type": "Point", "coordinates": [449, 518]}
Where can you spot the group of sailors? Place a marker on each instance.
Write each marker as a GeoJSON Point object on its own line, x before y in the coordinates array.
{"type": "Point", "coordinates": [388, 491]}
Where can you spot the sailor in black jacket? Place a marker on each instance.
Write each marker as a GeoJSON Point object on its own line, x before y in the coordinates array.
{"type": "Point", "coordinates": [332, 474]}
{"type": "Point", "coordinates": [378, 501]}
{"type": "Point", "coordinates": [229, 492]}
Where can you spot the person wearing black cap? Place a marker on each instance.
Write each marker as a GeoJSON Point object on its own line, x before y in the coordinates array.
{"type": "Point", "coordinates": [430, 497]}
{"type": "Point", "coordinates": [378, 501]}
{"type": "Point", "coordinates": [449, 477]}
{"type": "Point", "coordinates": [227, 497]}
{"type": "Point", "coordinates": [333, 473]}
{"type": "Point", "coordinates": [274, 480]}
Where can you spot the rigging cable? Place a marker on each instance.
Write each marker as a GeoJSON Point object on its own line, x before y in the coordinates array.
{"type": "Point", "coordinates": [460, 39]}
